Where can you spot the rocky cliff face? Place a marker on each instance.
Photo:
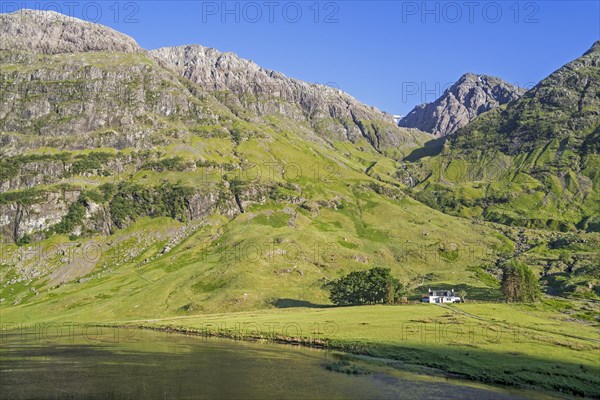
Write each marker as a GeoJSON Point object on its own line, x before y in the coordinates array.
{"type": "Point", "coordinates": [48, 32]}
{"type": "Point", "coordinates": [88, 100]}
{"type": "Point", "coordinates": [470, 96]}
{"type": "Point", "coordinates": [330, 111]}
{"type": "Point", "coordinates": [17, 220]}
{"type": "Point", "coordinates": [71, 84]}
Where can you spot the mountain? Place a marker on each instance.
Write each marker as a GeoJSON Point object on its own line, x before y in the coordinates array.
{"type": "Point", "coordinates": [141, 184]}
{"type": "Point", "coordinates": [146, 166]}
{"type": "Point", "coordinates": [330, 112]}
{"type": "Point", "coordinates": [469, 97]}
{"type": "Point", "coordinates": [533, 163]}
{"type": "Point", "coordinates": [564, 107]}
{"type": "Point", "coordinates": [125, 98]}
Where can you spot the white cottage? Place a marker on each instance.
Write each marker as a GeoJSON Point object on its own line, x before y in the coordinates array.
{"type": "Point", "coordinates": [441, 296]}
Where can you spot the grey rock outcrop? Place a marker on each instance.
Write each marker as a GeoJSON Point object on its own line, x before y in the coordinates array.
{"type": "Point", "coordinates": [469, 97]}
{"type": "Point", "coordinates": [17, 220]}
{"type": "Point", "coordinates": [72, 84]}
{"type": "Point", "coordinates": [328, 109]}
{"type": "Point", "coordinates": [48, 32]}
{"type": "Point", "coordinates": [51, 97]}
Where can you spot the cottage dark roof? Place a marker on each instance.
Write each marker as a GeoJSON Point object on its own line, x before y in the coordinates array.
{"type": "Point", "coordinates": [445, 293]}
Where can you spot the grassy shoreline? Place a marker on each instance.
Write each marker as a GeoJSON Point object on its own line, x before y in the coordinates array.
{"type": "Point", "coordinates": [508, 345]}
{"type": "Point", "coordinates": [513, 345]}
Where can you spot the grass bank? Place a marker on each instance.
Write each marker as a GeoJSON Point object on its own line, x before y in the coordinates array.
{"type": "Point", "coordinates": [516, 345]}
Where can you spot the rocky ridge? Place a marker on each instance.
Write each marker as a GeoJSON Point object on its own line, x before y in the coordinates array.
{"type": "Point", "coordinates": [329, 110]}
{"type": "Point", "coordinates": [96, 79]}
{"type": "Point", "coordinates": [48, 32]}
{"type": "Point", "coordinates": [469, 97]}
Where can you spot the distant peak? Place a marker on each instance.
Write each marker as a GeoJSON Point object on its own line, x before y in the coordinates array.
{"type": "Point", "coordinates": [470, 96]}
{"type": "Point", "coordinates": [49, 32]}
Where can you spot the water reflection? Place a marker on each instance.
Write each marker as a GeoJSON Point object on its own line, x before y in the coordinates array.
{"type": "Point", "coordinates": [155, 365]}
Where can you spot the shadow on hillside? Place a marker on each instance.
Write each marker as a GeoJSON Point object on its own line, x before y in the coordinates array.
{"type": "Point", "coordinates": [474, 293]}
{"type": "Point", "coordinates": [558, 283]}
{"type": "Point", "coordinates": [430, 149]}
{"type": "Point", "coordinates": [292, 303]}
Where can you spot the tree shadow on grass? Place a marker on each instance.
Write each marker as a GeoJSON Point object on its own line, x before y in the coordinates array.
{"type": "Point", "coordinates": [557, 284]}
{"type": "Point", "coordinates": [293, 303]}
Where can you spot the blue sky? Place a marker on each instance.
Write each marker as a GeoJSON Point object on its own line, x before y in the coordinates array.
{"type": "Point", "coordinates": [390, 54]}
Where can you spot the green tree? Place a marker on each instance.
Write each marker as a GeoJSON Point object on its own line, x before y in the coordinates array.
{"type": "Point", "coordinates": [374, 286]}
{"type": "Point", "coordinates": [73, 218]}
{"type": "Point", "coordinates": [519, 283]}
